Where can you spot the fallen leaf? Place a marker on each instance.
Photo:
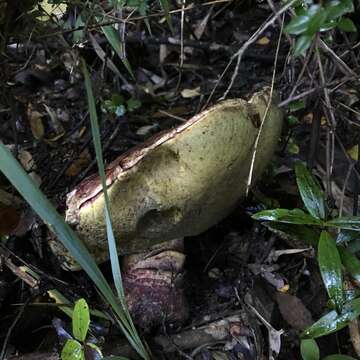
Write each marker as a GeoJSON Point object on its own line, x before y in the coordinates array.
{"type": "Point", "coordinates": [79, 164]}
{"type": "Point", "coordinates": [263, 41]}
{"type": "Point", "coordinates": [353, 152]}
{"type": "Point", "coordinates": [36, 124]}
{"type": "Point", "coordinates": [190, 93]}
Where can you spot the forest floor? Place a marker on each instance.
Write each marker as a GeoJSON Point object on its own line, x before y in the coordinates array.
{"type": "Point", "coordinates": [239, 272]}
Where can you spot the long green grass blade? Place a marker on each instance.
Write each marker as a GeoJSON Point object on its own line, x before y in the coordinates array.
{"type": "Point", "coordinates": [118, 47]}
{"type": "Point", "coordinates": [114, 257]}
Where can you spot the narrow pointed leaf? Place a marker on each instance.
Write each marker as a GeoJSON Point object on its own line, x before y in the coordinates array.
{"type": "Point", "coordinates": [297, 25]}
{"type": "Point", "coordinates": [345, 222]}
{"type": "Point", "coordinates": [351, 263]}
{"type": "Point", "coordinates": [310, 191]}
{"type": "Point", "coordinates": [332, 321]}
{"type": "Point", "coordinates": [295, 216]}
{"type": "Point", "coordinates": [117, 45]}
{"type": "Point", "coordinates": [309, 349]}
{"type": "Point", "coordinates": [165, 6]}
{"type": "Point", "coordinates": [80, 320]}
{"type": "Point", "coordinates": [330, 268]}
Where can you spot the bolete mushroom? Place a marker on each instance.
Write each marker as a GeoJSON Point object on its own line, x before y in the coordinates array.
{"type": "Point", "coordinates": [177, 184]}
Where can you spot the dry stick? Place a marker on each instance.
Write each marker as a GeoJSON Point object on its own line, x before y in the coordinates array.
{"type": "Point", "coordinates": [243, 48]}
{"type": "Point", "coordinates": [252, 39]}
{"type": "Point", "coordinates": [249, 180]}
{"type": "Point", "coordinates": [181, 64]}
{"type": "Point", "coordinates": [330, 156]}
{"type": "Point", "coordinates": [341, 64]}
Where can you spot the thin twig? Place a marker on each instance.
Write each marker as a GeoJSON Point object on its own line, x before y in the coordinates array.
{"type": "Point", "coordinates": [249, 180]}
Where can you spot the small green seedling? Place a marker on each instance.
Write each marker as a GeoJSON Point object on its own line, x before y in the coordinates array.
{"type": "Point", "coordinates": [118, 106]}
{"type": "Point", "coordinates": [317, 228]}
{"type": "Point", "coordinates": [74, 349]}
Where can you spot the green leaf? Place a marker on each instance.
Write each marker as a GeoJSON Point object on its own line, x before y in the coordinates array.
{"type": "Point", "coordinates": [351, 263]}
{"type": "Point", "coordinates": [116, 44]}
{"type": "Point", "coordinates": [295, 233]}
{"type": "Point", "coordinates": [345, 222]}
{"type": "Point", "coordinates": [309, 349]}
{"type": "Point", "coordinates": [302, 44]}
{"type": "Point", "coordinates": [133, 104]}
{"type": "Point", "coordinates": [310, 191]}
{"type": "Point", "coordinates": [338, 357]}
{"type": "Point", "coordinates": [317, 16]}
{"type": "Point", "coordinates": [125, 318]}
{"type": "Point", "coordinates": [346, 236]}
{"type": "Point", "coordinates": [328, 25]}
{"type": "Point", "coordinates": [72, 350]}
{"type": "Point", "coordinates": [296, 105]}
{"type": "Point", "coordinates": [295, 216]}
{"type": "Point", "coordinates": [165, 6]}
{"type": "Point", "coordinates": [346, 24]}
{"type": "Point", "coordinates": [332, 321]}
{"type": "Point", "coordinates": [336, 9]}
{"type": "Point", "coordinates": [80, 320]}
{"type": "Point", "coordinates": [297, 25]}
{"type": "Point", "coordinates": [330, 268]}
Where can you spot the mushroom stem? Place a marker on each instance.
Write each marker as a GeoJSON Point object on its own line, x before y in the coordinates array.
{"type": "Point", "coordinates": [153, 283]}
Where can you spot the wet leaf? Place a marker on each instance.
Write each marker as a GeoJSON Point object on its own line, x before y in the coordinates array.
{"type": "Point", "coordinates": [297, 25]}
{"type": "Point", "coordinates": [330, 268]}
{"type": "Point", "coordinates": [317, 17]}
{"type": "Point", "coordinates": [296, 234]}
{"type": "Point", "coordinates": [336, 9]}
{"type": "Point", "coordinates": [295, 216]}
{"type": "Point", "coordinates": [333, 321]}
{"type": "Point", "coordinates": [72, 351]}
{"type": "Point", "coordinates": [346, 236]}
{"type": "Point", "coordinates": [302, 44]}
{"type": "Point", "coordinates": [351, 263]}
{"type": "Point", "coordinates": [346, 24]}
{"type": "Point", "coordinates": [345, 222]}
{"type": "Point", "coordinates": [310, 191]}
{"type": "Point", "coordinates": [80, 320]}
{"type": "Point", "coordinates": [309, 349]}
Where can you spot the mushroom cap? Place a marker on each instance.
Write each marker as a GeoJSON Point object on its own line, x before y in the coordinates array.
{"type": "Point", "coordinates": [179, 183]}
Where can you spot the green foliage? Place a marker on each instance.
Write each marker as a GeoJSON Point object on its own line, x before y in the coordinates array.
{"type": "Point", "coordinates": [80, 320]}
{"type": "Point", "coordinates": [332, 256]}
{"type": "Point", "coordinates": [74, 349]}
{"type": "Point", "coordinates": [119, 106]}
{"type": "Point", "coordinates": [312, 18]}
{"type": "Point", "coordinates": [309, 349]}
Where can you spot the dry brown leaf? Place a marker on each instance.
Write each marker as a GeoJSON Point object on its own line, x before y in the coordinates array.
{"type": "Point", "coordinates": [36, 124]}
{"type": "Point", "coordinates": [79, 164]}
{"type": "Point", "coordinates": [190, 93]}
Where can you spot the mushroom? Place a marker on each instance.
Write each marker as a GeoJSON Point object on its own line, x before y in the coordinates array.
{"type": "Point", "coordinates": [177, 184]}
